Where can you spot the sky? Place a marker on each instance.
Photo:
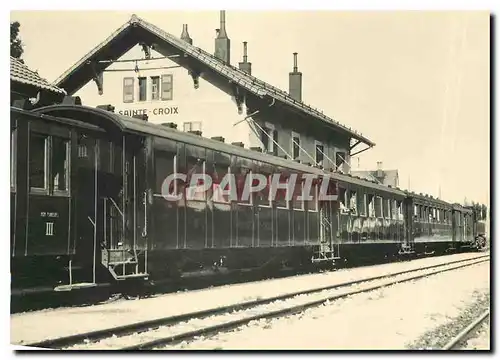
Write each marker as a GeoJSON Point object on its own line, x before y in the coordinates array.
{"type": "Point", "coordinates": [416, 83]}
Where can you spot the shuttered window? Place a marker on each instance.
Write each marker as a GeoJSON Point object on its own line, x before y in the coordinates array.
{"type": "Point", "coordinates": [128, 89]}
{"type": "Point", "coordinates": [167, 87]}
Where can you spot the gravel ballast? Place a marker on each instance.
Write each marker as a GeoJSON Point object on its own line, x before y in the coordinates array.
{"type": "Point", "coordinates": [396, 317]}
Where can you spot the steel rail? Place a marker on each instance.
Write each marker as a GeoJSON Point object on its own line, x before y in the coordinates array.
{"type": "Point", "coordinates": [276, 313]}
{"type": "Point", "coordinates": [147, 325]}
{"type": "Point", "coordinates": [466, 331]}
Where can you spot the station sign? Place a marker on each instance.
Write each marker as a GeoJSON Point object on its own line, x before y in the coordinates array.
{"type": "Point", "coordinates": [172, 110]}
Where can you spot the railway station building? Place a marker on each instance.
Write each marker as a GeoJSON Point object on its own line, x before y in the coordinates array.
{"type": "Point", "coordinates": [146, 72]}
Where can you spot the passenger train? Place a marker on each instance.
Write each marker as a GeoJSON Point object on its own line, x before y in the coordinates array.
{"type": "Point", "coordinates": [87, 207]}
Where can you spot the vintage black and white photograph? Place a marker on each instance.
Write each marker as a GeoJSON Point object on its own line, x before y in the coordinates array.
{"type": "Point", "coordinates": [250, 179]}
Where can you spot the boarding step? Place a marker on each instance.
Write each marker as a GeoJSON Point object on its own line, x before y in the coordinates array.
{"type": "Point", "coordinates": [406, 250]}
{"type": "Point", "coordinates": [324, 256]}
{"type": "Point", "coordinates": [121, 277]}
{"type": "Point", "coordinates": [69, 287]}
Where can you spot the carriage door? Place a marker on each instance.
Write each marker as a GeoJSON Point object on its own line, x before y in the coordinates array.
{"type": "Point", "coordinates": [328, 248]}
{"type": "Point", "coordinates": [86, 198]}
{"type": "Point", "coordinates": [125, 203]}
{"type": "Point", "coordinates": [408, 241]}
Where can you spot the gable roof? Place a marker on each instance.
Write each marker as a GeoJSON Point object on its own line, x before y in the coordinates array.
{"type": "Point", "coordinates": [20, 73]}
{"type": "Point", "coordinates": [137, 30]}
{"type": "Point", "coordinates": [389, 176]}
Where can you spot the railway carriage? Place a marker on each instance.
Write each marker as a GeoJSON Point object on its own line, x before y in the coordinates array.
{"type": "Point", "coordinates": [88, 206]}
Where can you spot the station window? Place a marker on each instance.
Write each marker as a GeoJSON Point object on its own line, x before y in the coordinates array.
{"type": "Point", "coordinates": [339, 159]}
{"type": "Point", "coordinates": [274, 150]}
{"type": "Point", "coordinates": [167, 87]}
{"type": "Point", "coordinates": [319, 153]}
{"type": "Point", "coordinates": [143, 87]}
{"type": "Point", "coordinates": [155, 88]}
{"type": "Point", "coordinates": [128, 89]}
{"type": "Point", "coordinates": [192, 126]}
{"type": "Point", "coordinates": [295, 145]}
{"type": "Point", "coordinates": [265, 139]}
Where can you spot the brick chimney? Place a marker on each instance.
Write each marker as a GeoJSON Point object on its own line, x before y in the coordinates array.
{"type": "Point", "coordinates": [185, 34]}
{"type": "Point", "coordinates": [222, 42]}
{"type": "Point", "coordinates": [295, 81]}
{"type": "Point", "coordinates": [380, 171]}
{"type": "Point", "coordinates": [245, 65]}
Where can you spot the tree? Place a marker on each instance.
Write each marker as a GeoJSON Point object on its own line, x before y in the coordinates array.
{"type": "Point", "coordinates": [16, 45]}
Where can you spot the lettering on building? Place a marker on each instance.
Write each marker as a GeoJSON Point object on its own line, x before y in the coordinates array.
{"type": "Point", "coordinates": [172, 110]}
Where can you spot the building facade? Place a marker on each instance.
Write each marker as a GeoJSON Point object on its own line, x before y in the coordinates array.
{"type": "Point", "coordinates": [143, 70]}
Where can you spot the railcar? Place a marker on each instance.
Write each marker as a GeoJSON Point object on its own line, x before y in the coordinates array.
{"type": "Point", "coordinates": [88, 206]}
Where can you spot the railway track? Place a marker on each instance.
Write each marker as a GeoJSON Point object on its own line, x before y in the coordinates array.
{"type": "Point", "coordinates": [462, 336]}
{"type": "Point", "coordinates": [170, 330]}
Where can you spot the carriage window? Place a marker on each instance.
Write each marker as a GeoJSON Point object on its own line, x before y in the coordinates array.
{"type": "Point", "coordinates": [371, 205]}
{"type": "Point", "coordinates": [394, 209]}
{"type": "Point", "coordinates": [38, 161]}
{"type": "Point", "coordinates": [164, 166]}
{"type": "Point", "coordinates": [344, 200]}
{"type": "Point", "coordinates": [262, 197]}
{"type": "Point", "coordinates": [195, 191]}
{"type": "Point", "coordinates": [378, 206]}
{"type": "Point", "coordinates": [13, 158]}
{"type": "Point", "coordinates": [312, 205]}
{"type": "Point", "coordinates": [218, 174]}
{"type": "Point", "coordinates": [387, 209]}
{"type": "Point", "coordinates": [60, 161]}
{"type": "Point", "coordinates": [353, 202]}
{"type": "Point", "coordinates": [243, 178]}
{"type": "Point", "coordinates": [280, 200]}
{"type": "Point", "coordinates": [298, 204]}
{"type": "Point", "coordinates": [362, 204]}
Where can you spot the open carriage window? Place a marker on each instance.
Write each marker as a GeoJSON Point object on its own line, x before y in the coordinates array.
{"type": "Point", "coordinates": [60, 162]}
{"type": "Point", "coordinates": [353, 202]}
{"type": "Point", "coordinates": [362, 204]}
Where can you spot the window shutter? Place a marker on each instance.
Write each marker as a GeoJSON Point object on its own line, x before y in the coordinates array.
{"type": "Point", "coordinates": [167, 87]}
